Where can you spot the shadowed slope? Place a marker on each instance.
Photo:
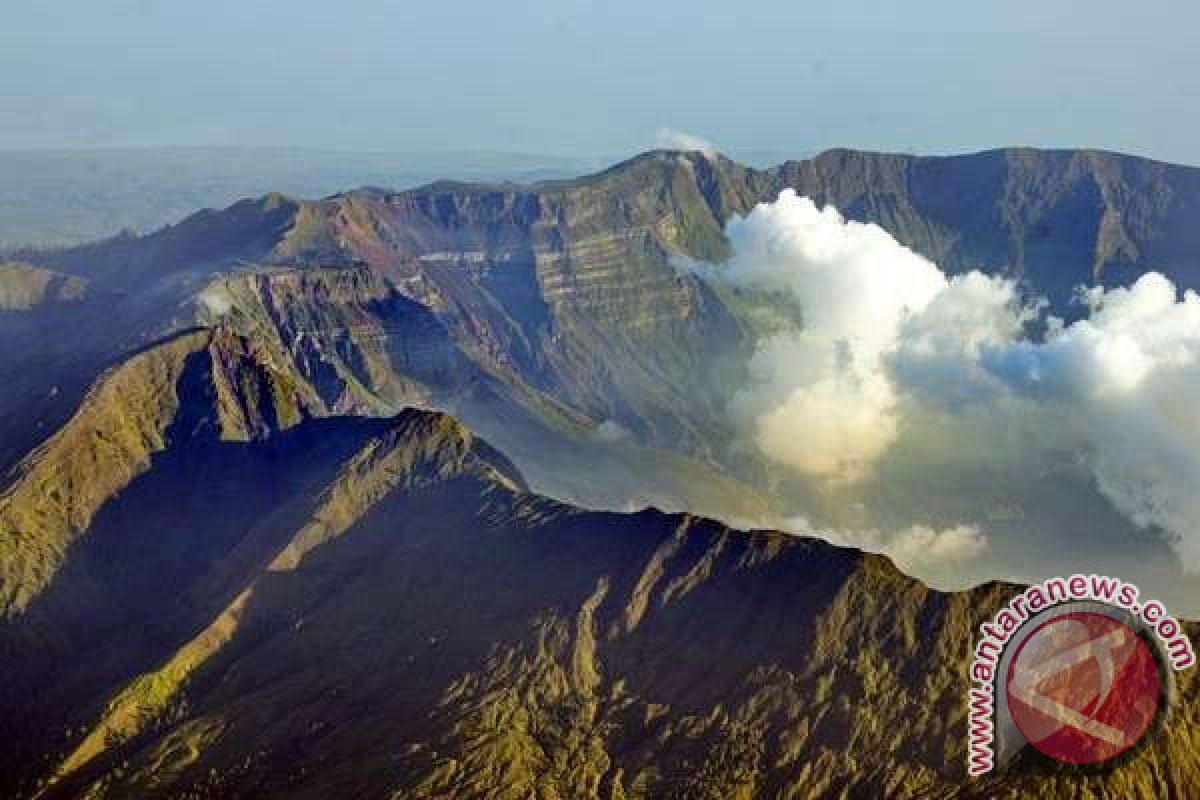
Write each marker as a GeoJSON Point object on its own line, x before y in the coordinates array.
{"type": "Point", "coordinates": [424, 627]}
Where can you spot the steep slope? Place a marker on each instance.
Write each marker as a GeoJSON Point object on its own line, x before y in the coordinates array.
{"type": "Point", "coordinates": [183, 471]}
{"type": "Point", "coordinates": [133, 413]}
{"type": "Point", "coordinates": [429, 629]}
{"type": "Point", "coordinates": [365, 347]}
{"type": "Point", "coordinates": [156, 476]}
{"type": "Point", "coordinates": [562, 287]}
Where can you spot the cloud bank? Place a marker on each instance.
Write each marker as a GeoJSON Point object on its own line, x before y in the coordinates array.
{"type": "Point", "coordinates": [886, 338]}
{"type": "Point", "coordinates": [1130, 373]}
{"type": "Point", "coordinates": [822, 397]}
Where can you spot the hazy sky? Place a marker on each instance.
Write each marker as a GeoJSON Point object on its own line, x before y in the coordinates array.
{"type": "Point", "coordinates": [599, 77]}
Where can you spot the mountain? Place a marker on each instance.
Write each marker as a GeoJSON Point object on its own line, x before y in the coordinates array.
{"type": "Point", "coordinates": [236, 559]}
{"type": "Point", "coordinates": [249, 601]}
{"type": "Point", "coordinates": [174, 480]}
{"type": "Point", "coordinates": [551, 317]}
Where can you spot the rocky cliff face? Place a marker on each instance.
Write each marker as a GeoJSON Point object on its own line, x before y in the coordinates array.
{"type": "Point", "coordinates": [564, 288]}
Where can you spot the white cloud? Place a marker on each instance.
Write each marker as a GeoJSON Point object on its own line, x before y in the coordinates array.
{"type": "Point", "coordinates": [916, 550]}
{"type": "Point", "coordinates": [887, 343]}
{"type": "Point", "coordinates": [671, 139]}
{"type": "Point", "coordinates": [921, 546]}
{"type": "Point", "coordinates": [1130, 373]}
{"type": "Point", "coordinates": [821, 398]}
{"type": "Point", "coordinates": [815, 409]}
{"type": "Point", "coordinates": [936, 353]}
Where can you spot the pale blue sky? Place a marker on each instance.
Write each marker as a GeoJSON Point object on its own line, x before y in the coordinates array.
{"type": "Point", "coordinates": [597, 78]}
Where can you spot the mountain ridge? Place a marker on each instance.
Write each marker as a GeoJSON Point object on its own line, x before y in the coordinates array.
{"type": "Point", "coordinates": [860, 183]}
{"type": "Point", "coordinates": [554, 318]}
{"type": "Point", "coordinates": [659, 654]}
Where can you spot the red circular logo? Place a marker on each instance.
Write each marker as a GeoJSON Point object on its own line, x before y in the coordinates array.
{"type": "Point", "coordinates": [1083, 687]}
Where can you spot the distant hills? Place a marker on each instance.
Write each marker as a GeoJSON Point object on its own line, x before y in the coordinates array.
{"type": "Point", "coordinates": [57, 197]}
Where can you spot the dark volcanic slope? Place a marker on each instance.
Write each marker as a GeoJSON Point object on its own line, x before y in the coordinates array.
{"type": "Point", "coordinates": [381, 609]}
